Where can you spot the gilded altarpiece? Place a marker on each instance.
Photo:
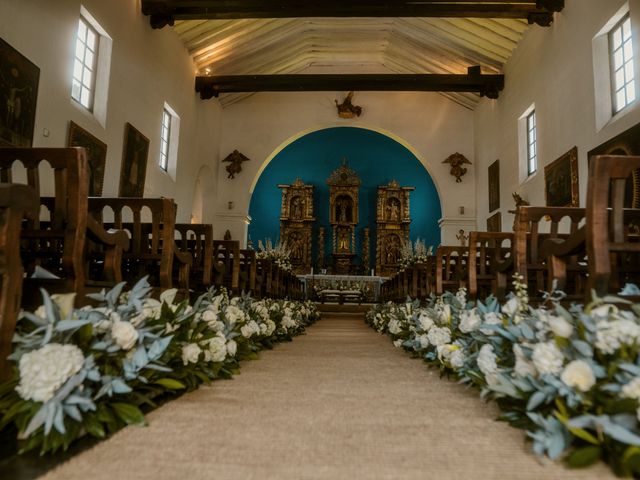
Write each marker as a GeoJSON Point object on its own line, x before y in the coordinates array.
{"type": "Point", "coordinates": [344, 186]}
{"type": "Point", "coordinates": [296, 223]}
{"type": "Point", "coordinates": [393, 219]}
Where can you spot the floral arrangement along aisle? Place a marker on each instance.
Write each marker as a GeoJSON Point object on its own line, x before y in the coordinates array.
{"type": "Point", "coordinates": [94, 370]}
{"type": "Point", "coordinates": [410, 254]}
{"type": "Point", "coordinates": [569, 377]}
{"type": "Point", "coordinates": [279, 254]}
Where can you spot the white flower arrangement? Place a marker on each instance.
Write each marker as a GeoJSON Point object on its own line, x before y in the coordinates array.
{"type": "Point", "coordinates": [89, 370]}
{"type": "Point", "coordinates": [410, 254]}
{"type": "Point", "coordinates": [571, 378]}
{"type": "Point", "coordinates": [278, 253]}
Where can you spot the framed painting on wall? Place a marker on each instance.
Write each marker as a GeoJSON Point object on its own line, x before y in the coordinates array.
{"type": "Point", "coordinates": [134, 163]}
{"type": "Point", "coordinates": [626, 143]}
{"type": "Point", "coordinates": [96, 155]}
{"type": "Point", "coordinates": [494, 223]}
{"type": "Point", "coordinates": [18, 96]}
{"type": "Point", "coordinates": [494, 186]}
{"type": "Point", "coordinates": [561, 181]}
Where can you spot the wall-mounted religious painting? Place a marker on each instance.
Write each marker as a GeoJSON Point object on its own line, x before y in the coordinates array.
{"type": "Point", "coordinates": [134, 163]}
{"type": "Point", "coordinates": [18, 95]}
{"type": "Point", "coordinates": [494, 223]}
{"type": "Point", "coordinates": [627, 143]}
{"type": "Point", "coordinates": [494, 186]}
{"type": "Point", "coordinates": [561, 181]}
{"type": "Point", "coordinates": [96, 155]}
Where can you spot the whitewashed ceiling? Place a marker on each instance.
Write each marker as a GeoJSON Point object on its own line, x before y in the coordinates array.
{"type": "Point", "coordinates": [350, 45]}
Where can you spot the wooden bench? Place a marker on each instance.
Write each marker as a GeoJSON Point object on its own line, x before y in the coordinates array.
{"type": "Point", "coordinates": [152, 249]}
{"type": "Point", "coordinates": [58, 242]}
{"type": "Point", "coordinates": [197, 239]}
{"type": "Point", "coordinates": [16, 203]}
{"type": "Point", "coordinates": [486, 251]}
{"type": "Point", "coordinates": [451, 268]}
{"type": "Point", "coordinates": [226, 264]}
{"type": "Point", "coordinates": [248, 271]}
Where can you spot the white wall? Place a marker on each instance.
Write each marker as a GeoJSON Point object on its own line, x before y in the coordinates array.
{"type": "Point", "coordinates": [148, 67]}
{"type": "Point", "coordinates": [427, 123]}
{"type": "Point", "coordinates": [553, 68]}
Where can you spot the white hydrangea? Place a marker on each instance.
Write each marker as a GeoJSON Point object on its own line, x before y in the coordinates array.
{"type": "Point", "coordinates": [611, 335]}
{"type": "Point", "coordinates": [578, 374]}
{"type": "Point", "coordinates": [209, 315]}
{"type": "Point", "coordinates": [190, 353]}
{"type": "Point", "coordinates": [559, 326]}
{"type": "Point", "coordinates": [44, 371]}
{"type": "Point", "coordinates": [487, 360]}
{"type": "Point", "coordinates": [491, 318]}
{"type": "Point", "coordinates": [547, 358]}
{"type": "Point", "coordinates": [461, 295]}
{"type": "Point", "coordinates": [124, 334]}
{"type": "Point", "coordinates": [469, 321]}
{"type": "Point", "coordinates": [439, 336]}
{"type": "Point", "coordinates": [632, 389]}
{"type": "Point", "coordinates": [288, 322]}
{"type": "Point", "coordinates": [523, 367]}
{"type": "Point", "coordinates": [425, 321]}
{"type": "Point", "coordinates": [423, 340]}
{"type": "Point", "coordinates": [218, 348]}
{"type": "Point", "coordinates": [267, 328]}
{"type": "Point", "coordinates": [457, 358]}
{"type": "Point", "coordinates": [398, 343]}
{"type": "Point", "coordinates": [233, 314]}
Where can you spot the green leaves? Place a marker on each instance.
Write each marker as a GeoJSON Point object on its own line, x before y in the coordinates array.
{"type": "Point", "coordinates": [170, 383]}
{"type": "Point", "coordinates": [584, 457]}
{"type": "Point", "coordinates": [129, 414]}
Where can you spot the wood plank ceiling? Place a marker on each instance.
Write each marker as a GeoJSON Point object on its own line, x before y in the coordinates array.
{"type": "Point", "coordinates": [356, 45]}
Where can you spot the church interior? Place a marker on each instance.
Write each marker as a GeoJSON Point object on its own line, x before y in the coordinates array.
{"type": "Point", "coordinates": [320, 194]}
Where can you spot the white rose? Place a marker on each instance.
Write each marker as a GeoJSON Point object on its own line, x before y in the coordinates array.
{"type": "Point", "coordinates": [632, 389]}
{"type": "Point", "coordinates": [124, 334]}
{"type": "Point", "coordinates": [44, 371]}
{"type": "Point", "coordinates": [426, 322]}
{"type": "Point", "coordinates": [168, 296]}
{"type": "Point", "coordinates": [523, 367]}
{"type": "Point", "coordinates": [578, 374]}
{"type": "Point", "coordinates": [511, 307]}
{"type": "Point", "coordinates": [218, 349]}
{"type": "Point", "coordinates": [560, 326]}
{"type": "Point", "coordinates": [547, 358]}
{"type": "Point", "coordinates": [394, 326]}
{"type": "Point", "coordinates": [469, 321]}
{"type": "Point", "coordinates": [423, 340]}
{"type": "Point", "coordinates": [487, 360]}
{"type": "Point", "coordinates": [209, 315]}
{"type": "Point", "coordinates": [190, 353]}
{"type": "Point", "coordinates": [398, 343]}
{"type": "Point", "coordinates": [457, 358]}
{"type": "Point", "coordinates": [232, 348]}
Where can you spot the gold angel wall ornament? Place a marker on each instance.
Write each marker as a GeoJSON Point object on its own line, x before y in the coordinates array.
{"type": "Point", "coordinates": [235, 160]}
{"type": "Point", "coordinates": [346, 109]}
{"type": "Point", "coordinates": [457, 160]}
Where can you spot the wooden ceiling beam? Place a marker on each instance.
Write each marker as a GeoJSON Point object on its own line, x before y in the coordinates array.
{"type": "Point", "coordinates": [166, 12]}
{"type": "Point", "coordinates": [474, 82]}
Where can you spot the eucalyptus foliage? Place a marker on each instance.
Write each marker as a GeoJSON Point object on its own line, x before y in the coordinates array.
{"type": "Point", "coordinates": [95, 369]}
{"type": "Point", "coordinates": [569, 376]}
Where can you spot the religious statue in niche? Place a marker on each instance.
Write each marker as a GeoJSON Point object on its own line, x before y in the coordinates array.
{"type": "Point", "coordinates": [393, 220]}
{"type": "Point", "coordinates": [297, 208]}
{"type": "Point", "coordinates": [235, 160]}
{"type": "Point", "coordinates": [346, 109]}
{"type": "Point", "coordinates": [457, 160]}
{"type": "Point", "coordinates": [343, 206]}
{"type": "Point", "coordinates": [296, 223]}
{"type": "Point", "coordinates": [393, 209]}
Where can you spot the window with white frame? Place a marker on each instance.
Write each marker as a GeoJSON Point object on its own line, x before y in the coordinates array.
{"type": "Point", "coordinates": [623, 83]}
{"type": "Point", "coordinates": [165, 139]}
{"type": "Point", "coordinates": [532, 147]}
{"type": "Point", "coordinates": [91, 67]}
{"type": "Point", "coordinates": [169, 138]}
{"type": "Point", "coordinates": [85, 64]}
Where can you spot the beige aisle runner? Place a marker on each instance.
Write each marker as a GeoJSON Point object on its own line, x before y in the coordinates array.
{"type": "Point", "coordinates": [338, 403]}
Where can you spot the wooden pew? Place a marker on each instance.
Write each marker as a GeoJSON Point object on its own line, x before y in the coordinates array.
{"type": "Point", "coordinates": [450, 268]}
{"type": "Point", "coordinates": [58, 243]}
{"type": "Point", "coordinates": [248, 271]}
{"type": "Point", "coordinates": [16, 202]}
{"type": "Point", "coordinates": [486, 250]}
{"type": "Point", "coordinates": [152, 250]}
{"type": "Point", "coordinates": [226, 264]}
{"type": "Point", "coordinates": [197, 239]}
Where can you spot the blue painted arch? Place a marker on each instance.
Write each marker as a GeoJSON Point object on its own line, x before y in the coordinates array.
{"type": "Point", "coordinates": [377, 158]}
